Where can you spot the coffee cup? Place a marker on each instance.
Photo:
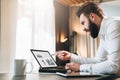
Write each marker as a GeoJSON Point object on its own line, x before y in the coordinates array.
{"type": "Point", "coordinates": [20, 67]}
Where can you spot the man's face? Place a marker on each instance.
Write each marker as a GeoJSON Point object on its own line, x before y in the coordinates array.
{"type": "Point", "coordinates": [89, 26]}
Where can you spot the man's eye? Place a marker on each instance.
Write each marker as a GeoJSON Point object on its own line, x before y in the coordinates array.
{"type": "Point", "coordinates": [82, 23]}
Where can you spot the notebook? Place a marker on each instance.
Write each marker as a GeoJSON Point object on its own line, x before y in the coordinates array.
{"type": "Point", "coordinates": [46, 62]}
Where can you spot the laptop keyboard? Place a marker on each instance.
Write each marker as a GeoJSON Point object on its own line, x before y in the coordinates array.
{"type": "Point", "coordinates": [52, 70]}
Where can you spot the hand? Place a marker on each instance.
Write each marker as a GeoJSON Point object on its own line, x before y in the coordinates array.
{"type": "Point", "coordinates": [73, 66]}
{"type": "Point", "coordinates": [63, 55]}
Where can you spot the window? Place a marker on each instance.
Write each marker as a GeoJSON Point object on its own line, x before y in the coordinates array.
{"type": "Point", "coordinates": [35, 27]}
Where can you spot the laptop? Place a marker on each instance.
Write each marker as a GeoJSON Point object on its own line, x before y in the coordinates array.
{"type": "Point", "coordinates": [46, 62]}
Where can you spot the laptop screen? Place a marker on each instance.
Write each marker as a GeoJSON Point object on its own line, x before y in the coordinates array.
{"type": "Point", "coordinates": [44, 58]}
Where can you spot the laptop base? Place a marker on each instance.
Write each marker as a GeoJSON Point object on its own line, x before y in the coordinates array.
{"type": "Point", "coordinates": [54, 70]}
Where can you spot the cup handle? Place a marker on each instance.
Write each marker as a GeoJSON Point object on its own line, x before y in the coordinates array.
{"type": "Point", "coordinates": [31, 67]}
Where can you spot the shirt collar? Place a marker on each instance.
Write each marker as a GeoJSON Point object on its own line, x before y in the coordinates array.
{"type": "Point", "coordinates": [102, 27]}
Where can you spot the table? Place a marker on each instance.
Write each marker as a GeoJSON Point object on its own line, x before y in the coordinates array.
{"type": "Point", "coordinates": [37, 76]}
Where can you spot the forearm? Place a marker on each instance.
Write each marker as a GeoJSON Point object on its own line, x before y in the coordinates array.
{"type": "Point", "coordinates": [83, 60]}
{"type": "Point", "coordinates": [111, 65]}
{"type": "Point", "coordinates": [103, 67]}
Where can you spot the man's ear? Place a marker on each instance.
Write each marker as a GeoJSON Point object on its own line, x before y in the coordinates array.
{"type": "Point", "coordinates": [92, 17]}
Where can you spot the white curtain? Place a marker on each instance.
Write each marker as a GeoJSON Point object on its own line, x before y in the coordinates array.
{"type": "Point", "coordinates": [7, 34]}
{"type": "Point", "coordinates": [31, 25]}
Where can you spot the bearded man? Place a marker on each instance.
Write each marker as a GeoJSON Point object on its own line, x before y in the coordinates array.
{"type": "Point", "coordinates": [107, 58]}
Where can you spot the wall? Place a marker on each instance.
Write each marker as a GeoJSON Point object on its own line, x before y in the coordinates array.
{"type": "Point", "coordinates": [111, 8]}
{"type": "Point", "coordinates": [0, 25]}
{"type": "Point", "coordinates": [62, 26]}
{"type": "Point", "coordinates": [62, 29]}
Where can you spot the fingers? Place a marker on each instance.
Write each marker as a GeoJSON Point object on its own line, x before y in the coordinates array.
{"type": "Point", "coordinates": [63, 55]}
{"type": "Point", "coordinates": [72, 66]}
{"type": "Point", "coordinates": [60, 54]}
{"type": "Point", "coordinates": [68, 65]}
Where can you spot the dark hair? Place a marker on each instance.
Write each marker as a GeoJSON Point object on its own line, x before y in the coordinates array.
{"type": "Point", "coordinates": [89, 7]}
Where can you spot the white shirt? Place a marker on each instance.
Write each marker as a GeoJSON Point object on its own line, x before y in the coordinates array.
{"type": "Point", "coordinates": [107, 59]}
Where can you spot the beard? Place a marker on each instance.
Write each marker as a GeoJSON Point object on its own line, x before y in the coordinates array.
{"type": "Point", "coordinates": [94, 30]}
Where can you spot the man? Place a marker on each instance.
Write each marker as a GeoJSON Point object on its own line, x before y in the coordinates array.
{"type": "Point", "coordinates": [107, 59]}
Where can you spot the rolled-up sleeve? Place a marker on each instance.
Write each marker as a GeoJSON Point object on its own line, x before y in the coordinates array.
{"type": "Point", "coordinates": [83, 60]}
